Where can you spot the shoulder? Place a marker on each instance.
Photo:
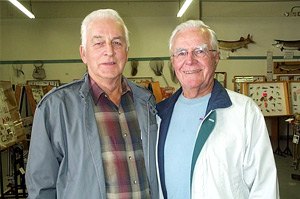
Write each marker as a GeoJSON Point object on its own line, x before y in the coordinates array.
{"type": "Point", "coordinates": [165, 106]}
{"type": "Point", "coordinates": [237, 96]}
{"type": "Point", "coordinates": [140, 92]}
{"type": "Point", "coordinates": [241, 100]}
{"type": "Point", "coordinates": [136, 87]}
{"type": "Point", "coordinates": [62, 92]}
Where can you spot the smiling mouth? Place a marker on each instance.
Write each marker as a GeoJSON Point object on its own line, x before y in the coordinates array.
{"type": "Point", "coordinates": [192, 71]}
{"type": "Point", "coordinates": [109, 63]}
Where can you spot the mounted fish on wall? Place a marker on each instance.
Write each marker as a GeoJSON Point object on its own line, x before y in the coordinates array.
{"type": "Point", "coordinates": [287, 44]}
{"type": "Point", "coordinates": [234, 45]}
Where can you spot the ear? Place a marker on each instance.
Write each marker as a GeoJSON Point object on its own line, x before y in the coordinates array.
{"type": "Point", "coordinates": [127, 53]}
{"type": "Point", "coordinates": [171, 60]}
{"type": "Point", "coordinates": [82, 54]}
{"type": "Point", "coordinates": [217, 58]}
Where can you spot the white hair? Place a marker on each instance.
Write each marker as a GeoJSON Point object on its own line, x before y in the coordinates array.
{"type": "Point", "coordinates": [198, 24]}
{"type": "Point", "coordinates": [102, 14]}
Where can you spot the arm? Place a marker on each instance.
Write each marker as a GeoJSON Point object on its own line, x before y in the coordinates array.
{"type": "Point", "coordinates": [43, 164]}
{"type": "Point", "coordinates": [260, 173]}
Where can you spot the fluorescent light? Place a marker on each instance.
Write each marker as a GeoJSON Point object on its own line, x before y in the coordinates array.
{"type": "Point", "coordinates": [22, 8]}
{"type": "Point", "coordinates": [184, 7]}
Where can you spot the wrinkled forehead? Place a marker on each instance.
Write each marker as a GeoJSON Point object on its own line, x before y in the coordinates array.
{"type": "Point", "coordinates": [106, 25]}
{"type": "Point", "coordinates": [191, 38]}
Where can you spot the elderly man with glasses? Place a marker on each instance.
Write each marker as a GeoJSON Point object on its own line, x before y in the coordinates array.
{"type": "Point", "coordinates": [213, 142]}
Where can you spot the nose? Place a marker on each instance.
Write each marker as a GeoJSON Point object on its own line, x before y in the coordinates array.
{"type": "Point", "coordinates": [190, 57]}
{"type": "Point", "coordinates": [109, 49]}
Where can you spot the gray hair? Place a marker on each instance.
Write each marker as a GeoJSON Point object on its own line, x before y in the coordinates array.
{"type": "Point", "coordinates": [102, 14]}
{"type": "Point", "coordinates": [198, 24]}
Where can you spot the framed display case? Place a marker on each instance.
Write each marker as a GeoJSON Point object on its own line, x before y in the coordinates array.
{"type": "Point", "coordinates": [138, 79]}
{"type": "Point", "coordinates": [288, 77]}
{"type": "Point", "coordinates": [294, 87]}
{"type": "Point", "coordinates": [286, 67]}
{"type": "Point", "coordinates": [221, 77]}
{"type": "Point", "coordinates": [271, 97]}
{"type": "Point", "coordinates": [53, 83]}
{"type": "Point", "coordinates": [35, 93]}
{"type": "Point", "coordinates": [237, 80]}
{"type": "Point", "coordinates": [142, 81]}
{"type": "Point", "coordinates": [11, 128]}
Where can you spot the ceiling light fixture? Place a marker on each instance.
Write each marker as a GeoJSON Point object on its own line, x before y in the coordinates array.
{"type": "Point", "coordinates": [184, 7]}
{"type": "Point", "coordinates": [22, 8]}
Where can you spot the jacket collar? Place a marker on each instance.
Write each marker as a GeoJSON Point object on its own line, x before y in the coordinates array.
{"type": "Point", "coordinates": [219, 99]}
{"type": "Point", "coordinates": [85, 87]}
{"type": "Point", "coordinates": [138, 92]}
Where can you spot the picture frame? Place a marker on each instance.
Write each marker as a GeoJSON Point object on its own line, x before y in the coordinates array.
{"type": "Point", "coordinates": [138, 79]}
{"type": "Point", "coordinates": [271, 97]}
{"type": "Point", "coordinates": [288, 77]}
{"type": "Point", "coordinates": [53, 83]}
{"type": "Point", "coordinates": [237, 80]}
{"type": "Point", "coordinates": [294, 93]}
{"type": "Point", "coordinates": [286, 67]}
{"type": "Point", "coordinates": [142, 81]}
{"type": "Point", "coordinates": [11, 129]}
{"type": "Point", "coordinates": [35, 93]}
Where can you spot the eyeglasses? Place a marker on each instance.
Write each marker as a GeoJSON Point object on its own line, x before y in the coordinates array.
{"type": "Point", "coordinates": [199, 52]}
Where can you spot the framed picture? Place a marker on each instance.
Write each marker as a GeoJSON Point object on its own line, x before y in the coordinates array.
{"type": "Point", "coordinates": [237, 80]}
{"type": "Point", "coordinates": [53, 83]}
{"type": "Point", "coordinates": [138, 79]}
{"type": "Point", "coordinates": [271, 97]}
{"type": "Point", "coordinates": [286, 67]}
{"type": "Point", "coordinates": [288, 77]}
{"type": "Point", "coordinates": [294, 87]}
{"type": "Point", "coordinates": [221, 77]}
{"type": "Point", "coordinates": [142, 81]}
{"type": "Point", "coordinates": [10, 125]}
{"type": "Point", "coordinates": [35, 93]}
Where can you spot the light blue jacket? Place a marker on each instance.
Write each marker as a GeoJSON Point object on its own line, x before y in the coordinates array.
{"type": "Point", "coordinates": [65, 154]}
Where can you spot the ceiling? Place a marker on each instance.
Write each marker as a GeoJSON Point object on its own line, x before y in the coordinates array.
{"type": "Point", "coordinates": [126, 8]}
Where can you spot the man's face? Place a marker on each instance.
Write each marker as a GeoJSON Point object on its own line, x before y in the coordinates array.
{"type": "Point", "coordinates": [194, 60]}
{"type": "Point", "coordinates": [106, 50]}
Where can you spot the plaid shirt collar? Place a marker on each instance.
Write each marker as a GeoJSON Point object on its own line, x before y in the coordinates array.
{"type": "Point", "coordinates": [97, 91]}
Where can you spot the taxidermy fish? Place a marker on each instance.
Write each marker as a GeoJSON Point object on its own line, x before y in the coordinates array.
{"type": "Point", "coordinates": [234, 45]}
{"type": "Point", "coordinates": [287, 45]}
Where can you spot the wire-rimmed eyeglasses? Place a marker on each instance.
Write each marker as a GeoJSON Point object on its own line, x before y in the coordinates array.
{"type": "Point", "coordinates": [200, 52]}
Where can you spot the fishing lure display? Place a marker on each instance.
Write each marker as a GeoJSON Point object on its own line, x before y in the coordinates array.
{"type": "Point", "coordinates": [295, 96]}
{"type": "Point", "coordinates": [271, 97]}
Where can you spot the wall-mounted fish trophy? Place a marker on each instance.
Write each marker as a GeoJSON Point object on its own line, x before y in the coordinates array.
{"type": "Point", "coordinates": [234, 45]}
{"type": "Point", "coordinates": [287, 45]}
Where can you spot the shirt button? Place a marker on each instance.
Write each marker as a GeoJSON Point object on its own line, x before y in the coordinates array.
{"type": "Point", "coordinates": [134, 182]}
{"type": "Point", "coordinates": [130, 157]}
{"type": "Point", "coordinates": [125, 134]}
